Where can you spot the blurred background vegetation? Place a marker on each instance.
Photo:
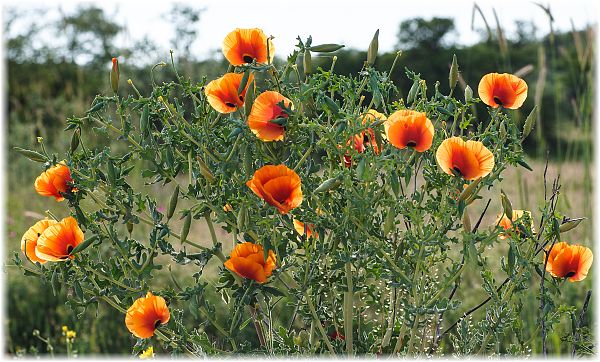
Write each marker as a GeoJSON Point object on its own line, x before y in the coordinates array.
{"type": "Point", "coordinates": [50, 81]}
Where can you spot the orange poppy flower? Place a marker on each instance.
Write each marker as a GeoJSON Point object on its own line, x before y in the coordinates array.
{"type": "Point", "coordinates": [30, 238]}
{"type": "Point", "coordinates": [504, 90]}
{"type": "Point", "coordinates": [55, 181]}
{"type": "Point", "coordinates": [245, 45]}
{"type": "Point", "coordinates": [366, 138]}
{"type": "Point", "coordinates": [58, 240]}
{"type": "Point", "coordinates": [470, 159]}
{"type": "Point", "coordinates": [299, 226]}
{"type": "Point", "coordinates": [569, 261]}
{"type": "Point", "coordinates": [222, 93]}
{"type": "Point", "coordinates": [507, 224]}
{"type": "Point", "coordinates": [264, 110]}
{"type": "Point", "coordinates": [278, 186]}
{"type": "Point", "coordinates": [248, 261]}
{"type": "Point", "coordinates": [408, 128]}
{"type": "Point", "coordinates": [146, 314]}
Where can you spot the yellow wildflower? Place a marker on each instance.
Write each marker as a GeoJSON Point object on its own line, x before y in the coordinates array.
{"type": "Point", "coordinates": [148, 353]}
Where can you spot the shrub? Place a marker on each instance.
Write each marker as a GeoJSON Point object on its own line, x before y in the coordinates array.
{"type": "Point", "coordinates": [351, 213]}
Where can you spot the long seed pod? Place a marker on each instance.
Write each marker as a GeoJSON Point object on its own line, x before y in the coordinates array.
{"type": "Point", "coordinates": [186, 228]}
{"type": "Point", "coordinates": [373, 48]}
{"type": "Point", "coordinates": [173, 202]}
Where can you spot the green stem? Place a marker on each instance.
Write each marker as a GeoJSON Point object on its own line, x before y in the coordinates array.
{"type": "Point", "coordinates": [313, 312]}
{"type": "Point", "coordinates": [348, 311]}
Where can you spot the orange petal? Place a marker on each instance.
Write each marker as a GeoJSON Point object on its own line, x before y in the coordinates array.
{"type": "Point", "coordinates": [504, 90]}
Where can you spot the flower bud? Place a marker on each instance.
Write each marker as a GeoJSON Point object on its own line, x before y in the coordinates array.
{"type": "Point", "coordinates": [114, 75]}
{"type": "Point", "coordinates": [466, 221]}
{"type": "Point", "coordinates": [506, 205]}
{"type": "Point", "coordinates": [529, 122]}
{"type": "Point", "coordinates": [468, 94]}
{"type": "Point", "coordinates": [502, 131]}
{"type": "Point", "coordinates": [241, 218]}
{"type": "Point", "coordinates": [328, 184]}
{"type": "Point", "coordinates": [186, 227]}
{"type": "Point", "coordinates": [307, 62]}
{"type": "Point", "coordinates": [469, 191]}
{"type": "Point", "coordinates": [412, 93]}
{"type": "Point", "coordinates": [325, 48]}
{"type": "Point", "coordinates": [453, 72]}
{"type": "Point", "coordinates": [244, 81]}
{"type": "Point", "coordinates": [569, 224]}
{"type": "Point", "coordinates": [173, 202]}
{"type": "Point", "coordinates": [373, 47]}
{"type": "Point", "coordinates": [74, 141]}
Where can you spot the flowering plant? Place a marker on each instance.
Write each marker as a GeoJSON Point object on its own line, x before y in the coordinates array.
{"type": "Point", "coordinates": [350, 214]}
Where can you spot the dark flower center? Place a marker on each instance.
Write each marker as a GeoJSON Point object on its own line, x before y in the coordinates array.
{"type": "Point", "coordinates": [248, 59]}
{"type": "Point", "coordinates": [366, 138]}
{"type": "Point", "coordinates": [69, 249]}
{"type": "Point", "coordinates": [229, 104]}
{"type": "Point", "coordinates": [457, 171]}
{"type": "Point", "coordinates": [157, 323]}
{"type": "Point", "coordinates": [241, 98]}
{"type": "Point", "coordinates": [411, 144]}
{"type": "Point", "coordinates": [497, 100]}
{"type": "Point", "coordinates": [570, 274]}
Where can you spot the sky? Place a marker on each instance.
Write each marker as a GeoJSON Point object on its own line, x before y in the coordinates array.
{"type": "Point", "coordinates": [349, 22]}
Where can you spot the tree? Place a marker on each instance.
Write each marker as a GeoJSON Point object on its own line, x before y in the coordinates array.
{"type": "Point", "coordinates": [430, 34]}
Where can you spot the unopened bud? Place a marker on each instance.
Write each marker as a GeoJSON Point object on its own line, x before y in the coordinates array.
{"type": "Point", "coordinates": [373, 47]}
{"type": "Point", "coordinates": [570, 224]}
{"type": "Point", "coordinates": [328, 184]}
{"type": "Point", "coordinates": [506, 205]}
{"type": "Point", "coordinates": [114, 75]}
{"type": "Point", "coordinates": [529, 122]}
{"type": "Point", "coordinates": [502, 131]}
{"type": "Point", "coordinates": [307, 62]}
{"type": "Point", "coordinates": [469, 191]}
{"type": "Point", "coordinates": [453, 72]}
{"type": "Point", "coordinates": [466, 221]}
{"type": "Point", "coordinates": [468, 94]}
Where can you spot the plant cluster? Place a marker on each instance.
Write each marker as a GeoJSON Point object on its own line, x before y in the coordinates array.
{"type": "Point", "coordinates": [350, 212]}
